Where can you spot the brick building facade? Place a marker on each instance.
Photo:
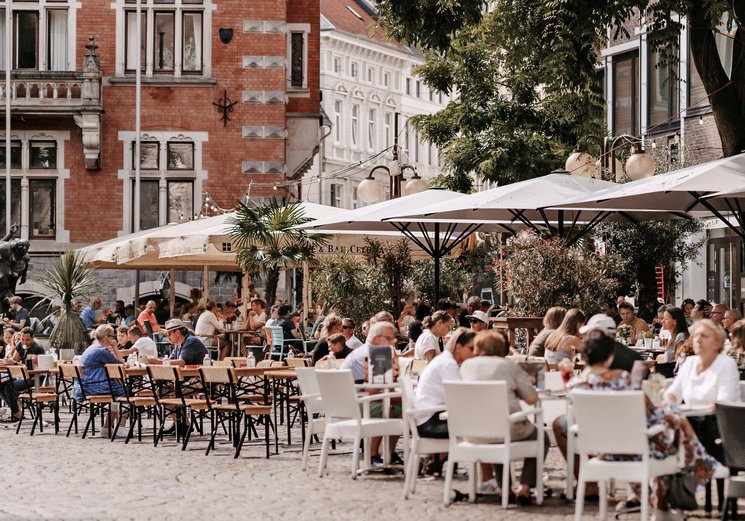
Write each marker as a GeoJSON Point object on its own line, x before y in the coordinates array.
{"type": "Point", "coordinates": [73, 113]}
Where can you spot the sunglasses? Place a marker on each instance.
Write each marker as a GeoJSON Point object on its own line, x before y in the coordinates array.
{"type": "Point", "coordinates": [347, 327]}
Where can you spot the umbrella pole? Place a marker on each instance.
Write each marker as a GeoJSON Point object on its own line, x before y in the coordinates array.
{"type": "Point", "coordinates": [306, 293]}
{"type": "Point", "coordinates": [137, 291]}
{"type": "Point", "coordinates": [172, 293]}
{"type": "Point", "coordinates": [206, 282]}
{"type": "Point", "coordinates": [436, 255]}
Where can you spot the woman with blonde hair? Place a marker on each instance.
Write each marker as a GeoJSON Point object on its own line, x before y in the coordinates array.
{"type": "Point", "coordinates": [551, 320]}
{"type": "Point", "coordinates": [407, 316]}
{"type": "Point", "coordinates": [737, 337]}
{"type": "Point", "coordinates": [565, 341]}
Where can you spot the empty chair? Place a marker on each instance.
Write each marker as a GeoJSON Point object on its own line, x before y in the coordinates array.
{"type": "Point", "coordinates": [419, 446]}
{"type": "Point", "coordinates": [615, 423]}
{"type": "Point", "coordinates": [311, 397]}
{"type": "Point", "coordinates": [479, 427]}
{"type": "Point", "coordinates": [731, 418]}
{"type": "Point", "coordinates": [344, 418]}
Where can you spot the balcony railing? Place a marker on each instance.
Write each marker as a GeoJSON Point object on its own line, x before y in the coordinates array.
{"type": "Point", "coordinates": [51, 91]}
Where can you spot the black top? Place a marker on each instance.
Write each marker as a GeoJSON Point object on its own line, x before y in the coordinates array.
{"type": "Point", "coordinates": [35, 349]}
{"type": "Point", "coordinates": [321, 350]}
{"type": "Point", "coordinates": [288, 326]}
{"type": "Point", "coordinates": [624, 358]}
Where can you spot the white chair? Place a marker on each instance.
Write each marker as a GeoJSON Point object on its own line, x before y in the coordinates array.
{"type": "Point", "coordinates": [311, 397]}
{"type": "Point", "coordinates": [419, 447]}
{"type": "Point", "coordinates": [478, 417]}
{"type": "Point", "coordinates": [615, 423]}
{"type": "Point", "coordinates": [344, 418]}
{"type": "Point", "coordinates": [553, 381]}
{"type": "Point", "coordinates": [742, 391]}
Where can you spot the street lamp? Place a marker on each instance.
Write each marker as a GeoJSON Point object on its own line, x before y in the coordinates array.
{"type": "Point", "coordinates": [638, 166]}
{"type": "Point", "coordinates": [370, 190]}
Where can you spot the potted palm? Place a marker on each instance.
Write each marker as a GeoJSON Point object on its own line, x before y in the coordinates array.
{"type": "Point", "coordinates": [67, 278]}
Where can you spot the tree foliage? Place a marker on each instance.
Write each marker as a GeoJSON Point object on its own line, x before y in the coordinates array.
{"type": "Point", "coordinates": [268, 241]}
{"type": "Point", "coordinates": [525, 72]}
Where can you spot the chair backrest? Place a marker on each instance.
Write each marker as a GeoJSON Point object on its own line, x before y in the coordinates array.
{"type": "Point", "coordinates": [223, 363]}
{"type": "Point", "coordinates": [417, 366]}
{"type": "Point", "coordinates": [553, 381]}
{"type": "Point", "coordinates": [112, 371]}
{"type": "Point", "coordinates": [308, 382]}
{"type": "Point", "coordinates": [165, 373]}
{"type": "Point", "coordinates": [67, 371]}
{"type": "Point", "coordinates": [275, 336]}
{"type": "Point", "coordinates": [276, 363]}
{"type": "Point", "coordinates": [295, 362]}
{"type": "Point", "coordinates": [264, 363]}
{"type": "Point", "coordinates": [237, 361]}
{"type": "Point", "coordinates": [610, 422]}
{"type": "Point", "coordinates": [338, 393]}
{"type": "Point", "coordinates": [215, 375]}
{"type": "Point", "coordinates": [408, 401]}
{"type": "Point", "coordinates": [148, 328]}
{"type": "Point", "coordinates": [731, 418]}
{"type": "Point", "coordinates": [477, 409]}
{"type": "Point", "coordinates": [18, 372]}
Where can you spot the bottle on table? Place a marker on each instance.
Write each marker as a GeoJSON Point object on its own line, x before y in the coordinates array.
{"type": "Point", "coordinates": [251, 360]}
{"type": "Point", "coordinates": [207, 360]}
{"type": "Point", "coordinates": [132, 360]}
{"type": "Point", "coordinates": [331, 360]}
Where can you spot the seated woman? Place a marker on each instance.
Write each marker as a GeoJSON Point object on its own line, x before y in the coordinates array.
{"type": "Point", "coordinates": [565, 342]}
{"type": "Point", "coordinates": [93, 364]}
{"type": "Point", "coordinates": [737, 337]}
{"type": "Point", "coordinates": [551, 321]}
{"type": "Point", "coordinates": [598, 356]}
{"type": "Point", "coordinates": [489, 363]}
{"type": "Point", "coordinates": [674, 322]}
{"type": "Point", "coordinates": [209, 323]}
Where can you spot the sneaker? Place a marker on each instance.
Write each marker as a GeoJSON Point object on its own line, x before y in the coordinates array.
{"type": "Point", "coordinates": [396, 459]}
{"type": "Point", "coordinates": [489, 488]}
{"type": "Point", "coordinates": [376, 460]}
{"type": "Point", "coordinates": [720, 471]}
{"type": "Point", "coordinates": [4, 411]}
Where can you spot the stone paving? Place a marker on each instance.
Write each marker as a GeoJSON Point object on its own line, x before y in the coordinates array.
{"type": "Point", "coordinates": [53, 477]}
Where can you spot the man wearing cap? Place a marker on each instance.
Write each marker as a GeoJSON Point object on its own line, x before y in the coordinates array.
{"type": "Point", "coordinates": [479, 320]}
{"type": "Point", "coordinates": [472, 304]}
{"type": "Point", "coordinates": [623, 357]}
{"type": "Point", "coordinates": [187, 348]}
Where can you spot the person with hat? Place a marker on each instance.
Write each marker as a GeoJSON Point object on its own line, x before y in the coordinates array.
{"type": "Point", "coordinates": [479, 320]}
{"type": "Point", "coordinates": [129, 315]}
{"type": "Point", "coordinates": [187, 348]}
{"type": "Point", "coordinates": [623, 356]}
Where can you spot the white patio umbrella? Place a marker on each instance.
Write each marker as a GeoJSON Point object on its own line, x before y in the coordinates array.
{"type": "Point", "coordinates": [673, 193]}
{"type": "Point", "coordinates": [434, 237]}
{"type": "Point", "coordinates": [524, 205]}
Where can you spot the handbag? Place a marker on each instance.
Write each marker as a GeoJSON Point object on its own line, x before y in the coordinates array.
{"type": "Point", "coordinates": [682, 493]}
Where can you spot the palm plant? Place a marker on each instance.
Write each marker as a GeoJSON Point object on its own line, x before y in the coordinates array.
{"type": "Point", "coordinates": [268, 242]}
{"type": "Point", "coordinates": [67, 278]}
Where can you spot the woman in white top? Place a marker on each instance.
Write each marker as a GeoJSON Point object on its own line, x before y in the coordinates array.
{"type": "Point", "coordinates": [208, 323]}
{"type": "Point", "coordinates": [428, 344]}
{"type": "Point", "coordinates": [709, 376]}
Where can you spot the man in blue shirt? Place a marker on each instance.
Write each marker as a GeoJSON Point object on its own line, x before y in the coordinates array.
{"type": "Point", "coordinates": [88, 315]}
{"type": "Point", "coordinates": [187, 348]}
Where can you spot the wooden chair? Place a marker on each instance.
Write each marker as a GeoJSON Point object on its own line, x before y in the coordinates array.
{"type": "Point", "coordinates": [297, 362]}
{"type": "Point", "coordinates": [65, 382]}
{"type": "Point", "coordinates": [133, 404]}
{"type": "Point", "coordinates": [34, 401]}
{"type": "Point", "coordinates": [96, 404]}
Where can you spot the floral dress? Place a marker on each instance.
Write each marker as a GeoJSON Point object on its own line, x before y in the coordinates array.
{"type": "Point", "coordinates": [661, 445]}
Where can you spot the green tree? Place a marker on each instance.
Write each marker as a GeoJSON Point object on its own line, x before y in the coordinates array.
{"type": "Point", "coordinates": [68, 277]}
{"type": "Point", "coordinates": [268, 242]}
{"type": "Point", "coordinates": [526, 72]}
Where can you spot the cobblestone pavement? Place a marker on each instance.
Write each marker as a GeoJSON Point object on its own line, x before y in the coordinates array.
{"type": "Point", "coordinates": [53, 477]}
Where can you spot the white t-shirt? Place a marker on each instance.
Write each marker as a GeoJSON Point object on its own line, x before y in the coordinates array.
{"type": "Point", "coordinates": [719, 383]}
{"type": "Point", "coordinates": [356, 362]}
{"type": "Point", "coordinates": [427, 341]}
{"type": "Point", "coordinates": [207, 324]}
{"type": "Point", "coordinates": [353, 342]}
{"type": "Point", "coordinates": [429, 390]}
{"type": "Point", "coordinates": [145, 347]}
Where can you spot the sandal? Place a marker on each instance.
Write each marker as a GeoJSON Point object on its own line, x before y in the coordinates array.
{"type": "Point", "coordinates": [524, 500]}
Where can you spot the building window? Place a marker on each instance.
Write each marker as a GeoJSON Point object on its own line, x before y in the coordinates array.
{"type": "Point", "coordinates": [149, 155]}
{"type": "Point", "coordinates": [355, 124]}
{"type": "Point", "coordinates": [355, 204]}
{"type": "Point", "coordinates": [664, 90]}
{"type": "Point", "coordinates": [42, 200]}
{"type": "Point", "coordinates": [626, 94]}
{"type": "Point", "coordinates": [180, 201]}
{"type": "Point", "coordinates": [15, 203]}
{"type": "Point", "coordinates": [337, 65]}
{"type": "Point", "coordinates": [354, 69]}
{"type": "Point", "coordinates": [338, 107]}
{"type": "Point", "coordinates": [149, 203]}
{"type": "Point", "coordinates": [28, 25]}
{"type": "Point", "coordinates": [180, 156]}
{"type": "Point", "coordinates": [416, 146]}
{"type": "Point", "coordinates": [15, 158]}
{"type": "Point", "coordinates": [408, 86]}
{"type": "Point", "coordinates": [297, 61]}
{"type": "Point", "coordinates": [176, 36]}
{"type": "Point", "coordinates": [724, 38]}
{"type": "Point", "coordinates": [43, 154]}
{"type": "Point", "coordinates": [418, 89]}
{"type": "Point", "coordinates": [336, 191]}
{"type": "Point", "coordinates": [387, 128]}
{"type": "Point", "coordinates": [370, 74]}
{"type": "Point", "coordinates": [371, 128]}
{"type": "Point", "coordinates": [386, 79]}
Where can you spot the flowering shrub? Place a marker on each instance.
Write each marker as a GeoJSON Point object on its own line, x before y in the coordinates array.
{"type": "Point", "coordinates": [542, 272]}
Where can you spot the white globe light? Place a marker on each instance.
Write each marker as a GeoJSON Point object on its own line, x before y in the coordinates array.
{"type": "Point", "coordinates": [580, 164]}
{"type": "Point", "coordinates": [394, 167]}
{"type": "Point", "coordinates": [416, 185]}
{"type": "Point", "coordinates": [370, 191]}
{"type": "Point", "coordinates": [639, 165]}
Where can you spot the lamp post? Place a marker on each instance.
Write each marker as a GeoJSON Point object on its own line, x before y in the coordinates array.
{"type": "Point", "coordinates": [638, 166]}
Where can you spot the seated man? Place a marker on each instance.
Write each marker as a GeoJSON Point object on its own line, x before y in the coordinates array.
{"type": "Point", "coordinates": [187, 348]}
{"type": "Point", "coordinates": [20, 314]}
{"type": "Point", "coordinates": [145, 346]}
{"type": "Point", "coordinates": [292, 336]}
{"type": "Point", "coordinates": [337, 344]}
{"type": "Point", "coordinates": [27, 349]}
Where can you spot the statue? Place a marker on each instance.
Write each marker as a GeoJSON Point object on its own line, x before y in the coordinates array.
{"type": "Point", "coordinates": [14, 261]}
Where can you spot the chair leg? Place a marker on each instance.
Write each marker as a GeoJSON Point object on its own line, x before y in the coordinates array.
{"type": "Point", "coordinates": [603, 492]}
{"type": "Point", "coordinates": [644, 500]}
{"type": "Point", "coordinates": [411, 466]}
{"type": "Point", "coordinates": [506, 483]}
{"type": "Point", "coordinates": [356, 456]}
{"type": "Point", "coordinates": [56, 416]}
{"type": "Point", "coordinates": [472, 481]}
{"type": "Point", "coordinates": [448, 482]}
{"type": "Point", "coordinates": [324, 456]}
{"type": "Point", "coordinates": [580, 502]}
{"type": "Point", "coordinates": [306, 449]}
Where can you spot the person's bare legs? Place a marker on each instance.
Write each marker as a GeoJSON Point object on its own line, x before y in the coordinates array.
{"type": "Point", "coordinates": [591, 489]}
